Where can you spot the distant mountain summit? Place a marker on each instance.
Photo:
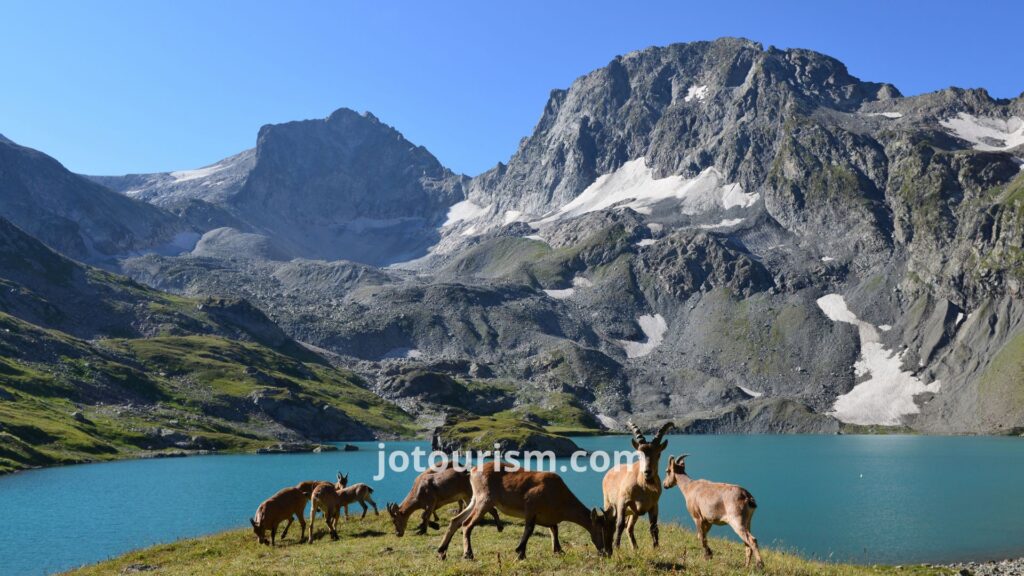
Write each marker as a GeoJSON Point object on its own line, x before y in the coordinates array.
{"type": "Point", "coordinates": [345, 187]}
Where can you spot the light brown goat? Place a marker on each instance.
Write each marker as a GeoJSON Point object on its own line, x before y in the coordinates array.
{"type": "Point", "coordinates": [632, 490]}
{"type": "Point", "coordinates": [715, 503]}
{"type": "Point", "coordinates": [286, 504]}
{"type": "Point", "coordinates": [539, 498]}
{"type": "Point", "coordinates": [432, 489]}
{"type": "Point", "coordinates": [358, 493]}
{"type": "Point", "coordinates": [326, 498]}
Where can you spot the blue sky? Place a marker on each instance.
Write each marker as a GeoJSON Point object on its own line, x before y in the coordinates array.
{"type": "Point", "coordinates": [110, 87]}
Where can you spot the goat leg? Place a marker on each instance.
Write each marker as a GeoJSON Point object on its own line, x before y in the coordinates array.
{"type": "Point", "coordinates": [652, 515]}
{"type": "Point", "coordinates": [527, 532]}
{"type": "Point", "coordinates": [556, 546]}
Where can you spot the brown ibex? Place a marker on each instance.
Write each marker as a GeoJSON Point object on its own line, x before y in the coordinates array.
{"type": "Point", "coordinates": [632, 490]}
{"type": "Point", "coordinates": [326, 498]}
{"type": "Point", "coordinates": [715, 503]}
{"type": "Point", "coordinates": [286, 504]}
{"type": "Point", "coordinates": [432, 489]}
{"type": "Point", "coordinates": [359, 493]}
{"type": "Point", "coordinates": [539, 498]}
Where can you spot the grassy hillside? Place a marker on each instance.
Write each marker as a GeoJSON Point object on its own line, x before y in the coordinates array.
{"type": "Point", "coordinates": [66, 400]}
{"type": "Point", "coordinates": [370, 547]}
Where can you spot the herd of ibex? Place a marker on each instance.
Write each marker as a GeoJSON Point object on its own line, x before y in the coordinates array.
{"type": "Point", "coordinates": [538, 498]}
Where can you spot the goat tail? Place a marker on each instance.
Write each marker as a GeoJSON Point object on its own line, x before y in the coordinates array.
{"type": "Point", "coordinates": [749, 498]}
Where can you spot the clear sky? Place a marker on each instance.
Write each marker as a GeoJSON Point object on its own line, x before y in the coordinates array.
{"type": "Point", "coordinates": [110, 87]}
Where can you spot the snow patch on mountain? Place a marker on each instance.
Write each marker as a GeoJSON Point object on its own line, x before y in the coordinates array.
{"type": "Point", "coordinates": [511, 216]}
{"type": "Point", "coordinates": [204, 172]}
{"type": "Point", "coordinates": [696, 93]}
{"type": "Point", "coordinates": [723, 224]}
{"type": "Point", "coordinates": [646, 242]}
{"type": "Point", "coordinates": [988, 134]}
{"type": "Point", "coordinates": [750, 392]}
{"type": "Point", "coordinates": [888, 393]}
{"type": "Point", "coordinates": [889, 115]}
{"type": "Point", "coordinates": [566, 293]}
{"type": "Point", "coordinates": [634, 186]}
{"type": "Point", "coordinates": [463, 211]}
{"type": "Point", "coordinates": [654, 328]}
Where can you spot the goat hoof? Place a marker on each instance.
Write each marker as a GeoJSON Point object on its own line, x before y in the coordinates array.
{"type": "Point", "coordinates": [500, 527]}
{"type": "Point", "coordinates": [467, 556]}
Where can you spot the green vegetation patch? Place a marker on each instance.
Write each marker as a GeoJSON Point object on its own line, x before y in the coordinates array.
{"type": "Point", "coordinates": [369, 546]}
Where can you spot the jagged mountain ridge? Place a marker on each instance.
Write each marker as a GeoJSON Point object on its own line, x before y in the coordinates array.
{"type": "Point", "coordinates": [661, 245]}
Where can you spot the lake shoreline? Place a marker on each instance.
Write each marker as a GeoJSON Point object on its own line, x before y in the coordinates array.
{"type": "Point", "coordinates": [819, 496]}
{"type": "Point", "coordinates": [181, 453]}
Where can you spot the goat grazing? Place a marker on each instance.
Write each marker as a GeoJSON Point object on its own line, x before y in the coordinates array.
{"type": "Point", "coordinates": [632, 490]}
{"type": "Point", "coordinates": [325, 497]}
{"type": "Point", "coordinates": [715, 503]}
{"type": "Point", "coordinates": [359, 493]}
{"type": "Point", "coordinates": [431, 490]}
{"type": "Point", "coordinates": [286, 504]}
{"type": "Point", "coordinates": [539, 498]}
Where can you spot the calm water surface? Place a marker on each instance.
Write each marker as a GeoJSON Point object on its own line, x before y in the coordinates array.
{"type": "Point", "coordinates": [868, 499]}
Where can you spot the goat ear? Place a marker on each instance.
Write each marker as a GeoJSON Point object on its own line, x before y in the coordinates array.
{"type": "Point", "coordinates": [339, 474]}
{"type": "Point", "coordinates": [671, 461]}
{"type": "Point", "coordinates": [253, 522]}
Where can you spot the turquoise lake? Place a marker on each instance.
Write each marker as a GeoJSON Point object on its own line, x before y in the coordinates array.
{"type": "Point", "coordinates": [865, 499]}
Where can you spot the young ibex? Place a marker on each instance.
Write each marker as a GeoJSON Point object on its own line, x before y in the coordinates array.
{"type": "Point", "coordinates": [359, 493]}
{"type": "Point", "coordinates": [634, 489]}
{"type": "Point", "coordinates": [431, 490]}
{"type": "Point", "coordinates": [328, 499]}
{"type": "Point", "coordinates": [715, 503]}
{"type": "Point", "coordinates": [539, 498]}
{"type": "Point", "coordinates": [287, 504]}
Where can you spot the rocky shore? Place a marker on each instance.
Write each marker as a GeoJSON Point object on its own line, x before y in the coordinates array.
{"type": "Point", "coordinates": [1011, 567]}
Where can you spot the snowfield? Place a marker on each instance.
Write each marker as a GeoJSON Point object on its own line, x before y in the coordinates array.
{"type": "Point", "coordinates": [988, 134]}
{"type": "Point", "coordinates": [696, 93]}
{"type": "Point", "coordinates": [565, 293]}
{"type": "Point", "coordinates": [465, 210]}
{"type": "Point", "coordinates": [511, 216]}
{"type": "Point", "coordinates": [750, 392]}
{"type": "Point", "coordinates": [646, 242]}
{"type": "Point", "coordinates": [723, 224]}
{"type": "Point", "coordinates": [654, 327]}
{"type": "Point", "coordinates": [888, 393]}
{"type": "Point", "coordinates": [186, 175]}
{"type": "Point", "coordinates": [633, 186]}
{"type": "Point", "coordinates": [889, 115]}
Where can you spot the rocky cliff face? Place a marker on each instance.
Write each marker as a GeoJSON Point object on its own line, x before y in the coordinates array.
{"type": "Point", "coordinates": [736, 238]}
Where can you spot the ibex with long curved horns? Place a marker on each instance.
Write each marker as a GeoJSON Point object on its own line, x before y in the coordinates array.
{"type": "Point", "coordinates": [632, 490]}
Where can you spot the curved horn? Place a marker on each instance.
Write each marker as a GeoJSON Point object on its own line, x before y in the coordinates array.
{"type": "Point", "coordinates": [637, 434]}
{"type": "Point", "coordinates": [661, 431]}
